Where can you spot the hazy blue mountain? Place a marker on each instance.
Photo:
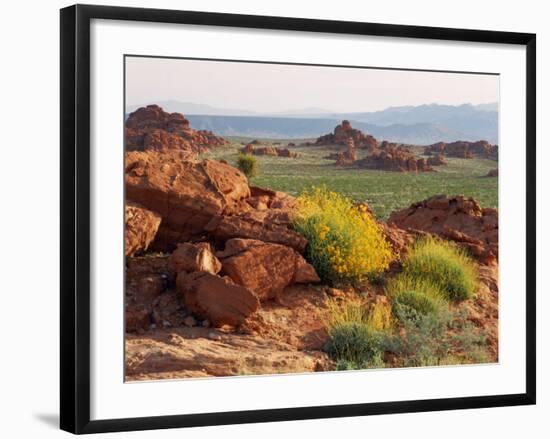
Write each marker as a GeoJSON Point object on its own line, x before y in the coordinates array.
{"type": "Point", "coordinates": [293, 127]}
{"type": "Point", "coordinates": [260, 126]}
{"type": "Point", "coordinates": [185, 108]}
{"type": "Point", "coordinates": [479, 122]}
{"type": "Point", "coordinates": [421, 124]}
{"type": "Point", "coordinates": [492, 106]}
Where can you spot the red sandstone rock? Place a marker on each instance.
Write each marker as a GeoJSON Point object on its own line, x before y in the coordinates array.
{"type": "Point", "coordinates": [194, 257]}
{"type": "Point", "coordinates": [457, 218]}
{"type": "Point", "coordinates": [217, 298]}
{"type": "Point", "coordinates": [304, 272]}
{"type": "Point", "coordinates": [264, 226]}
{"type": "Point", "coordinates": [147, 278]}
{"type": "Point", "coordinates": [264, 268]}
{"type": "Point", "coordinates": [391, 157]}
{"type": "Point", "coordinates": [141, 226]}
{"type": "Point", "coordinates": [344, 132]}
{"type": "Point", "coordinates": [186, 193]}
{"type": "Point", "coordinates": [268, 150]}
{"type": "Point", "coordinates": [152, 128]}
{"type": "Point", "coordinates": [348, 156]}
{"type": "Point", "coordinates": [437, 160]}
{"type": "Point", "coordinates": [464, 149]}
{"type": "Point", "coordinates": [400, 239]}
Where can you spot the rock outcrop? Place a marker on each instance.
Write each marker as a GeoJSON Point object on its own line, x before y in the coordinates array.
{"type": "Point", "coordinates": [216, 298]}
{"type": "Point", "coordinates": [459, 219]}
{"type": "Point", "coordinates": [152, 128]}
{"type": "Point", "coordinates": [462, 149]}
{"type": "Point", "coordinates": [348, 156]}
{"type": "Point", "coordinates": [191, 257]}
{"type": "Point", "coordinates": [269, 150]}
{"type": "Point", "coordinates": [394, 158]}
{"type": "Point", "coordinates": [186, 193]}
{"type": "Point", "coordinates": [264, 268]}
{"type": "Point", "coordinates": [150, 299]}
{"type": "Point", "coordinates": [436, 160]}
{"type": "Point", "coordinates": [141, 227]}
{"type": "Point", "coordinates": [343, 132]}
{"type": "Point", "coordinates": [267, 226]}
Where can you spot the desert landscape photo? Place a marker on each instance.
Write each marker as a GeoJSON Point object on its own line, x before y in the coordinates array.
{"type": "Point", "coordinates": [284, 218]}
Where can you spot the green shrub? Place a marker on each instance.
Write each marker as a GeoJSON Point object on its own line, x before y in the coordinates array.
{"type": "Point", "coordinates": [346, 245]}
{"type": "Point", "coordinates": [436, 339]}
{"type": "Point", "coordinates": [356, 344]}
{"type": "Point", "coordinates": [248, 165]}
{"type": "Point", "coordinates": [444, 265]}
{"type": "Point", "coordinates": [417, 293]}
{"type": "Point", "coordinates": [356, 334]}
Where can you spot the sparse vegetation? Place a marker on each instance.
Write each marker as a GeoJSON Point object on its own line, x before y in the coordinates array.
{"type": "Point", "coordinates": [419, 294]}
{"type": "Point", "coordinates": [444, 265]}
{"type": "Point", "coordinates": [355, 342]}
{"type": "Point", "coordinates": [380, 316]}
{"type": "Point", "coordinates": [248, 165]}
{"type": "Point", "coordinates": [435, 339]}
{"type": "Point", "coordinates": [384, 191]}
{"type": "Point", "coordinates": [357, 345]}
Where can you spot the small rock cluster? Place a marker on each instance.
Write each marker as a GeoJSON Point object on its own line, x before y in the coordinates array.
{"type": "Point", "coordinates": [462, 149]}
{"type": "Point", "coordinates": [269, 150]}
{"type": "Point", "coordinates": [397, 158]}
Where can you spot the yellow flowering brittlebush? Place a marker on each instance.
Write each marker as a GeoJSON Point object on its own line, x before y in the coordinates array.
{"type": "Point", "coordinates": [345, 242]}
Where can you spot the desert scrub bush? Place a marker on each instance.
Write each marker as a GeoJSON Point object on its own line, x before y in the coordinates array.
{"type": "Point", "coordinates": [436, 339]}
{"type": "Point", "coordinates": [346, 245]}
{"type": "Point", "coordinates": [444, 265]}
{"type": "Point", "coordinates": [357, 334]}
{"type": "Point", "coordinates": [356, 344]}
{"type": "Point", "coordinates": [248, 165]}
{"type": "Point", "coordinates": [420, 294]}
{"type": "Point", "coordinates": [380, 316]}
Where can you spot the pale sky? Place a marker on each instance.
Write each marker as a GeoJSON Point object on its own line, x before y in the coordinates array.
{"type": "Point", "coordinates": [269, 88]}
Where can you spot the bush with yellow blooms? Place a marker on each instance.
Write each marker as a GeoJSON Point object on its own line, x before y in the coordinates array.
{"type": "Point", "coordinates": [346, 245]}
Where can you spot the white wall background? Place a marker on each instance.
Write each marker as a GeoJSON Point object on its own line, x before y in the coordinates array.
{"type": "Point", "coordinates": [29, 181]}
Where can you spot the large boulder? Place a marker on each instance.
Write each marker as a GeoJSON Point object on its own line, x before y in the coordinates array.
{"type": "Point", "coordinates": [268, 225]}
{"type": "Point", "coordinates": [194, 257]}
{"type": "Point", "coordinates": [141, 226]}
{"type": "Point", "coordinates": [458, 218]}
{"type": "Point", "coordinates": [216, 298]}
{"type": "Point", "coordinates": [186, 193]}
{"type": "Point", "coordinates": [264, 268]}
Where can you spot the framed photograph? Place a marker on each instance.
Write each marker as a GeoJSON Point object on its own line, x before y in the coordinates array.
{"type": "Point", "coordinates": [272, 218]}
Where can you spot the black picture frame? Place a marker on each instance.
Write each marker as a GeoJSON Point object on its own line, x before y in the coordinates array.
{"type": "Point", "coordinates": [75, 217]}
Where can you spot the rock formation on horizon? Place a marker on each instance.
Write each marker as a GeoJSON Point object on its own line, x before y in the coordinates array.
{"type": "Point", "coordinates": [462, 149]}
{"type": "Point", "coordinates": [343, 132]}
{"type": "Point", "coordinates": [152, 128]}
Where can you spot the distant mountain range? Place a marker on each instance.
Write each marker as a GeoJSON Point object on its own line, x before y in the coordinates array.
{"type": "Point", "coordinates": [420, 125]}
